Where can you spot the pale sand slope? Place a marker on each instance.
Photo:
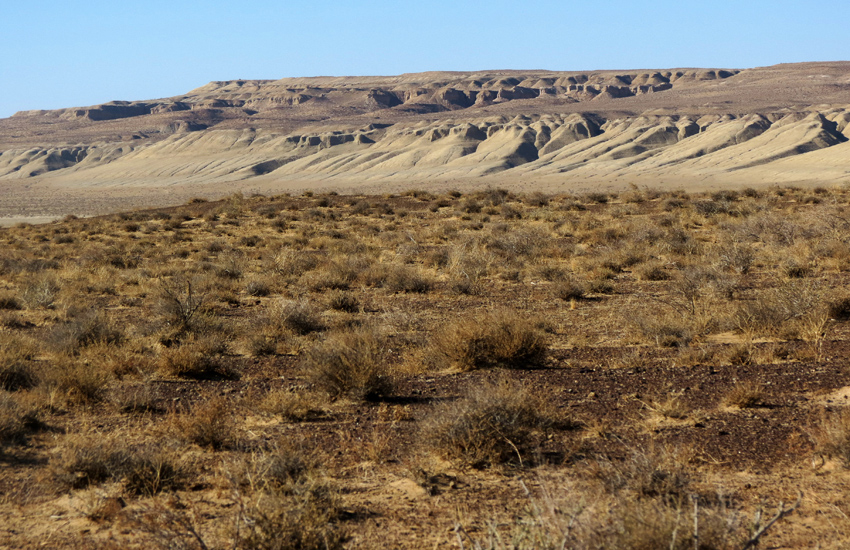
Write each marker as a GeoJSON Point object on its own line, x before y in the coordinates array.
{"type": "Point", "coordinates": [528, 130]}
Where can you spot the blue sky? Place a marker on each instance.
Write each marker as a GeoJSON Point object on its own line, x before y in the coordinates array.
{"type": "Point", "coordinates": [65, 54]}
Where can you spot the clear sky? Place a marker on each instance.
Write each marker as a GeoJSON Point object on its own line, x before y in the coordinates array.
{"type": "Point", "coordinates": [57, 54]}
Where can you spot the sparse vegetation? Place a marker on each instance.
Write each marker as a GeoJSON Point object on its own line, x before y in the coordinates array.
{"type": "Point", "coordinates": [271, 372]}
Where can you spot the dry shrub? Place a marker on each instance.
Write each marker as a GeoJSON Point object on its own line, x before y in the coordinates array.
{"type": "Point", "coordinates": [569, 289]}
{"type": "Point", "coordinates": [210, 424]}
{"type": "Point", "coordinates": [16, 420]}
{"type": "Point", "coordinates": [145, 470]}
{"type": "Point", "coordinates": [651, 525]}
{"type": "Point", "coordinates": [403, 278]}
{"type": "Point", "coordinates": [664, 330]}
{"type": "Point", "coordinates": [745, 395]}
{"type": "Point", "coordinates": [503, 338]}
{"type": "Point", "coordinates": [495, 423]}
{"type": "Point", "coordinates": [181, 302]}
{"type": "Point", "coordinates": [652, 271]}
{"type": "Point", "coordinates": [351, 363]}
{"type": "Point", "coordinates": [341, 300]}
{"type": "Point", "coordinates": [79, 380]}
{"type": "Point", "coordinates": [773, 311]}
{"type": "Point", "coordinates": [657, 472]}
{"type": "Point", "coordinates": [295, 406]}
{"type": "Point", "coordinates": [84, 329]}
{"type": "Point", "coordinates": [136, 399]}
{"type": "Point", "coordinates": [832, 435]}
{"type": "Point", "coordinates": [298, 316]}
{"type": "Point", "coordinates": [195, 358]}
{"type": "Point", "coordinates": [41, 292]}
{"type": "Point", "coordinates": [293, 506]}
{"type": "Point", "coordinates": [16, 371]}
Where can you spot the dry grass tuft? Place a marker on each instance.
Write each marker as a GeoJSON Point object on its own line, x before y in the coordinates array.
{"type": "Point", "coordinates": [89, 460]}
{"type": "Point", "coordinates": [832, 436]}
{"type": "Point", "coordinates": [195, 358]}
{"type": "Point", "coordinates": [658, 472]}
{"type": "Point", "coordinates": [16, 420]}
{"type": "Point", "coordinates": [351, 363]}
{"type": "Point", "coordinates": [745, 395]}
{"type": "Point", "coordinates": [210, 424]}
{"type": "Point", "coordinates": [295, 406]}
{"type": "Point", "coordinates": [502, 338]}
{"type": "Point", "coordinates": [496, 423]}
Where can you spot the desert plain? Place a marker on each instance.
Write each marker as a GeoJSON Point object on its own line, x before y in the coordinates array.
{"type": "Point", "coordinates": [500, 309]}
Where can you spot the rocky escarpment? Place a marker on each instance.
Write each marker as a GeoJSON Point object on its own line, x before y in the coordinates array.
{"type": "Point", "coordinates": [786, 123]}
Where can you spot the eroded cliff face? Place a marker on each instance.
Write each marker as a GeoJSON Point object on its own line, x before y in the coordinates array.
{"type": "Point", "coordinates": [784, 123]}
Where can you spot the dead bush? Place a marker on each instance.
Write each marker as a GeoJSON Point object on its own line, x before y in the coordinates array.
{"type": "Point", "coordinates": [351, 363]}
{"type": "Point", "coordinates": [503, 338]}
{"type": "Point", "coordinates": [181, 302]}
{"type": "Point", "coordinates": [495, 423]}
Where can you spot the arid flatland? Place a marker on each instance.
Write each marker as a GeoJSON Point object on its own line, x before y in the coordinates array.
{"type": "Point", "coordinates": [431, 370]}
